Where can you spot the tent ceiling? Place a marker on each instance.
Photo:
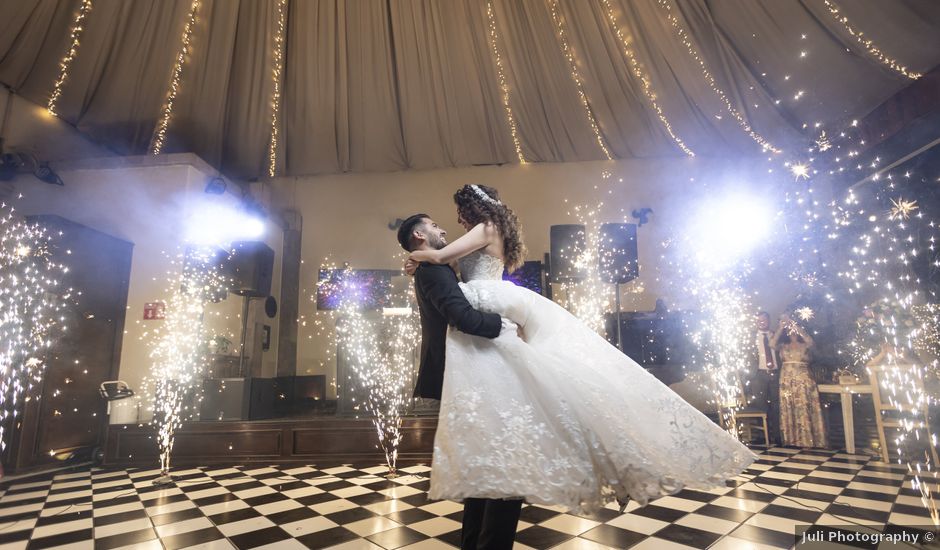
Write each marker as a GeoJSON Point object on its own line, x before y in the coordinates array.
{"type": "Point", "coordinates": [383, 85]}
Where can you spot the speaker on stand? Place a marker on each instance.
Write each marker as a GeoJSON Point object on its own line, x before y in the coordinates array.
{"type": "Point", "coordinates": [618, 261]}
{"type": "Point", "coordinates": [251, 268]}
{"type": "Point", "coordinates": [547, 275]}
{"type": "Point", "coordinates": [567, 244]}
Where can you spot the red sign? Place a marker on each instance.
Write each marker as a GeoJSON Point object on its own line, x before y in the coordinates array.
{"type": "Point", "coordinates": [154, 310]}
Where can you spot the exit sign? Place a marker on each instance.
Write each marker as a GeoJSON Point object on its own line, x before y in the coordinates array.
{"type": "Point", "coordinates": [154, 310]}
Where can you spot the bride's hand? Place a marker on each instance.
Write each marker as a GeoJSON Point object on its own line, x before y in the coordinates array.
{"type": "Point", "coordinates": [410, 266]}
{"type": "Point", "coordinates": [429, 256]}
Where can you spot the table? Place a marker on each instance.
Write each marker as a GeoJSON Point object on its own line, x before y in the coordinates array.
{"type": "Point", "coordinates": [845, 392]}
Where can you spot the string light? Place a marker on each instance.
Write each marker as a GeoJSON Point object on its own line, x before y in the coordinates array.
{"type": "Point", "coordinates": [74, 36]}
{"type": "Point", "coordinates": [644, 80]}
{"type": "Point", "coordinates": [503, 86]}
{"type": "Point", "coordinates": [869, 46]}
{"type": "Point", "coordinates": [159, 135]}
{"type": "Point", "coordinates": [276, 77]}
{"type": "Point", "coordinates": [576, 77]}
{"type": "Point", "coordinates": [710, 80]}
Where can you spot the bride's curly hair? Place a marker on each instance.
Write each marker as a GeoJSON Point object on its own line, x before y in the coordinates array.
{"type": "Point", "coordinates": [484, 206]}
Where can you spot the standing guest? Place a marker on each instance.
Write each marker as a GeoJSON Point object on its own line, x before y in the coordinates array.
{"type": "Point", "coordinates": [801, 421]}
{"type": "Point", "coordinates": [764, 383]}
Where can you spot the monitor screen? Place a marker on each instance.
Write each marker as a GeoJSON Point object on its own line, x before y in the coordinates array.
{"type": "Point", "coordinates": [528, 276]}
{"type": "Point", "coordinates": [369, 289]}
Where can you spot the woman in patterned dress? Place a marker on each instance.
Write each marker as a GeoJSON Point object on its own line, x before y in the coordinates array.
{"type": "Point", "coordinates": [801, 421]}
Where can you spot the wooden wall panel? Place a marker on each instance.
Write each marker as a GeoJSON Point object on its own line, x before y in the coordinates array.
{"type": "Point", "coordinates": [300, 441]}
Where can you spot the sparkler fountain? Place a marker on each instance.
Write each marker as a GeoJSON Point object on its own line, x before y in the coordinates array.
{"type": "Point", "coordinates": [179, 354]}
{"type": "Point", "coordinates": [713, 266]}
{"type": "Point", "coordinates": [380, 353]}
{"type": "Point", "coordinates": [30, 311]}
{"type": "Point", "coordinates": [180, 346]}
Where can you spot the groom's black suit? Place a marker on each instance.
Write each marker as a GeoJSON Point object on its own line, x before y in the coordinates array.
{"type": "Point", "coordinates": [441, 303]}
{"type": "Point", "coordinates": [488, 524]}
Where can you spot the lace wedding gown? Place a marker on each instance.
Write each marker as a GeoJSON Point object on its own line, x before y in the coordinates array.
{"type": "Point", "coordinates": [562, 417]}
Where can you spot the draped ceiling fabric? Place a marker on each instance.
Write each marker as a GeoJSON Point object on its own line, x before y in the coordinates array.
{"type": "Point", "coordinates": [383, 85]}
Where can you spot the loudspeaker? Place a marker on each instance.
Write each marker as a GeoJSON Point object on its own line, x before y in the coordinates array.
{"type": "Point", "coordinates": [251, 267]}
{"type": "Point", "coordinates": [567, 243]}
{"type": "Point", "coordinates": [618, 253]}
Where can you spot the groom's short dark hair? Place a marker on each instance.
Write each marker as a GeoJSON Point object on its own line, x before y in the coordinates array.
{"type": "Point", "coordinates": [407, 229]}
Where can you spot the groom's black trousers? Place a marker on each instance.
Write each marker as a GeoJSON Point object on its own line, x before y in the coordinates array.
{"type": "Point", "coordinates": [489, 524]}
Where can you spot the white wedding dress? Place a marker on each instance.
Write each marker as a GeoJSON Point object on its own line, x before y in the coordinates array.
{"type": "Point", "coordinates": [562, 417]}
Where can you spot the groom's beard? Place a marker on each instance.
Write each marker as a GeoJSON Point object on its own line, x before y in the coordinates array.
{"type": "Point", "coordinates": [436, 242]}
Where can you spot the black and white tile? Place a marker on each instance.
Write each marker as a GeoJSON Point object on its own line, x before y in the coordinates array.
{"type": "Point", "coordinates": [352, 507]}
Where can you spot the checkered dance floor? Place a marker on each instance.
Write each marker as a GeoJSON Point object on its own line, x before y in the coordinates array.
{"type": "Point", "coordinates": [352, 507]}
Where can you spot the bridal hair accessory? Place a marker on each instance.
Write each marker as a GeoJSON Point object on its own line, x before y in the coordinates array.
{"type": "Point", "coordinates": [482, 194]}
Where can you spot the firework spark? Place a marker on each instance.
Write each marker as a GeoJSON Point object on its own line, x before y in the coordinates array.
{"type": "Point", "coordinates": [30, 311]}
{"type": "Point", "coordinates": [589, 299]}
{"type": "Point", "coordinates": [380, 353]}
{"type": "Point", "coordinates": [800, 171]}
{"type": "Point", "coordinates": [180, 347]}
{"type": "Point", "coordinates": [902, 209]}
{"type": "Point", "coordinates": [805, 313]}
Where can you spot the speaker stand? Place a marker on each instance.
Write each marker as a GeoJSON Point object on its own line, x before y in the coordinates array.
{"type": "Point", "coordinates": [619, 329]}
{"type": "Point", "coordinates": [241, 354]}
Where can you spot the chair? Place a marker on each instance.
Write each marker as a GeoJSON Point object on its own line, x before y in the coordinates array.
{"type": "Point", "coordinates": [745, 413]}
{"type": "Point", "coordinates": [882, 407]}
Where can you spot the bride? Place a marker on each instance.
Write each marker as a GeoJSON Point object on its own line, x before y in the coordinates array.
{"type": "Point", "coordinates": [559, 417]}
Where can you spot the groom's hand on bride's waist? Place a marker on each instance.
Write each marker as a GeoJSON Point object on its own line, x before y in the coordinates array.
{"type": "Point", "coordinates": [509, 328]}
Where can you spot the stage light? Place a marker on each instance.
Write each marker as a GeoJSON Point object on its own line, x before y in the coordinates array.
{"type": "Point", "coordinates": [216, 186]}
{"type": "Point", "coordinates": [220, 225]}
{"type": "Point", "coordinates": [45, 174]}
{"type": "Point", "coordinates": [727, 228]}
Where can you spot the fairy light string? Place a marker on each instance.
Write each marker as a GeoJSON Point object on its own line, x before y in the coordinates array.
{"type": "Point", "coordinates": [159, 134]}
{"type": "Point", "coordinates": [75, 35]}
{"type": "Point", "coordinates": [276, 74]}
{"type": "Point", "coordinates": [503, 84]}
{"type": "Point", "coordinates": [646, 85]}
{"type": "Point", "coordinates": [870, 47]}
{"type": "Point", "coordinates": [710, 80]}
{"type": "Point", "coordinates": [576, 77]}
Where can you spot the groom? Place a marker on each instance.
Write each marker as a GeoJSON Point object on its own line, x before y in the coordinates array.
{"type": "Point", "coordinates": [488, 524]}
